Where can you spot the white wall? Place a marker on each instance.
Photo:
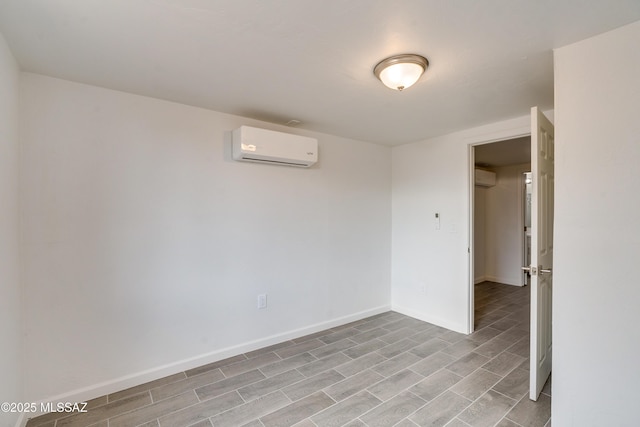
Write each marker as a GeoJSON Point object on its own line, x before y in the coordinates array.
{"type": "Point", "coordinates": [504, 224]}
{"type": "Point", "coordinates": [146, 245]}
{"type": "Point", "coordinates": [597, 233]}
{"type": "Point", "coordinates": [428, 177]}
{"type": "Point", "coordinates": [10, 316]}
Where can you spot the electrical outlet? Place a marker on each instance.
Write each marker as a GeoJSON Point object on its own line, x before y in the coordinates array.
{"type": "Point", "coordinates": [423, 289]}
{"type": "Point", "coordinates": [262, 301]}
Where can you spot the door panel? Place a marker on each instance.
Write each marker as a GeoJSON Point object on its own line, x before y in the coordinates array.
{"type": "Point", "coordinates": [542, 168]}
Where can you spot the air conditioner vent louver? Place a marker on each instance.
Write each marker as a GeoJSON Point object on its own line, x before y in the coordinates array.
{"type": "Point", "coordinates": [249, 159]}
{"type": "Point", "coordinates": [265, 146]}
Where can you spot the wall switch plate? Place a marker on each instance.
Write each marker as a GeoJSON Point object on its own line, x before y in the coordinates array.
{"type": "Point", "coordinates": [262, 301]}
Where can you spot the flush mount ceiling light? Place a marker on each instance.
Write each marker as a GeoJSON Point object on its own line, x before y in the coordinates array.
{"type": "Point", "coordinates": [401, 71]}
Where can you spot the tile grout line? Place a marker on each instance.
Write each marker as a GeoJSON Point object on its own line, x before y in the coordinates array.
{"type": "Point", "coordinates": [397, 325]}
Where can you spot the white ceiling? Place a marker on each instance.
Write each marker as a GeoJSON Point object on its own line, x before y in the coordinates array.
{"type": "Point", "coordinates": [312, 60]}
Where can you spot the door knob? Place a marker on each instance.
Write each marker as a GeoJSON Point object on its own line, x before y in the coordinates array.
{"type": "Point", "coordinates": [545, 271]}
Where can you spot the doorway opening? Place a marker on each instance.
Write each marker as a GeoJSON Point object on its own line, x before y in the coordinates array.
{"type": "Point", "coordinates": [499, 211]}
{"type": "Point", "coordinates": [541, 155]}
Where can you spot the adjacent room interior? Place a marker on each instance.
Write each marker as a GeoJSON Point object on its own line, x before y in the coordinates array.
{"type": "Point", "coordinates": [500, 208]}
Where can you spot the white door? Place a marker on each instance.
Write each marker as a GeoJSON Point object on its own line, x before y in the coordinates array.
{"type": "Point", "coordinates": [542, 163]}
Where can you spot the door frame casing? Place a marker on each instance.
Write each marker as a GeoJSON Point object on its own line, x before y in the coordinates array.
{"type": "Point", "coordinates": [517, 133]}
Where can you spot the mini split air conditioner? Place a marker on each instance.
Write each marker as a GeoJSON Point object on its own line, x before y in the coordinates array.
{"type": "Point", "coordinates": [485, 178]}
{"type": "Point", "coordinates": [266, 146]}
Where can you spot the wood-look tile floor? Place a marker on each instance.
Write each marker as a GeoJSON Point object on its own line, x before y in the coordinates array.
{"type": "Point", "coordinates": [386, 370]}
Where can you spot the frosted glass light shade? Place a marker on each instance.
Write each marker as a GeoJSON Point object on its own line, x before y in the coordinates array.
{"type": "Point", "coordinates": [401, 71]}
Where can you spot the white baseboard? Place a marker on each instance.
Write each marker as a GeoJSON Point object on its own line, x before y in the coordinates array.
{"type": "Point", "coordinates": [22, 420]}
{"type": "Point", "coordinates": [124, 382]}
{"type": "Point", "coordinates": [479, 280]}
{"type": "Point", "coordinates": [505, 280]}
{"type": "Point", "coordinates": [430, 319]}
